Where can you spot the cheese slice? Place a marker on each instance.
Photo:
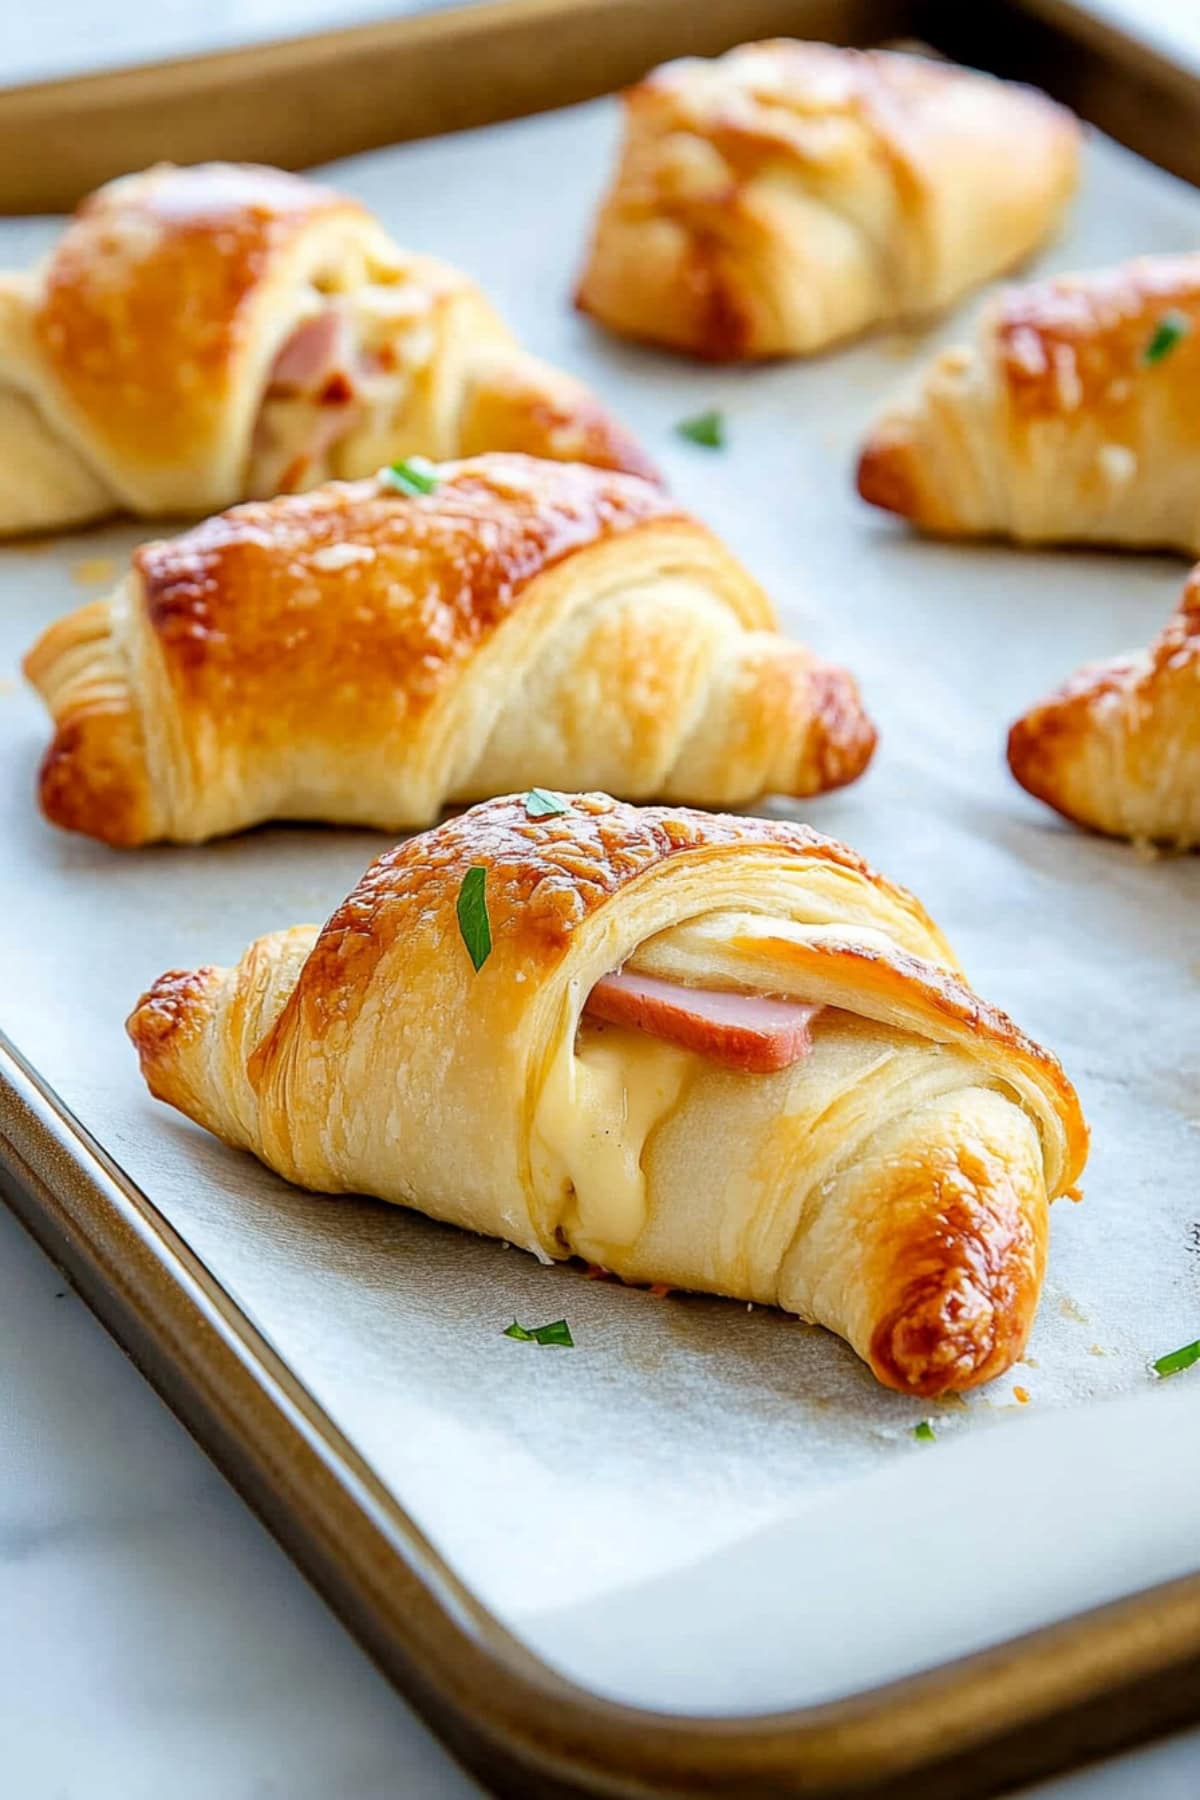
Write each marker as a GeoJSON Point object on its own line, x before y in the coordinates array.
{"type": "Point", "coordinates": [603, 1098]}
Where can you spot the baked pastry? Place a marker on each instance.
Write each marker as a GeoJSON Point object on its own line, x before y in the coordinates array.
{"type": "Point", "coordinates": [365, 656]}
{"type": "Point", "coordinates": [1070, 419]}
{"type": "Point", "coordinates": [802, 1103]}
{"type": "Point", "coordinates": [788, 194]}
{"type": "Point", "coordinates": [1118, 746]}
{"type": "Point", "coordinates": [226, 332]}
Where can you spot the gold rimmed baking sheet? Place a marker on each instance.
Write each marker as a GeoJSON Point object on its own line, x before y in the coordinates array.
{"type": "Point", "coordinates": [539, 1546]}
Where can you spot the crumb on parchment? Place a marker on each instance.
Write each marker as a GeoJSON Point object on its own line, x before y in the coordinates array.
{"type": "Point", "coordinates": [93, 571]}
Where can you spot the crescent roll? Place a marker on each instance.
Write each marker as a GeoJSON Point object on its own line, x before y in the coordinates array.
{"type": "Point", "coordinates": [886, 1173]}
{"type": "Point", "coordinates": [788, 194]}
{"type": "Point", "coordinates": [226, 332]}
{"type": "Point", "coordinates": [364, 656]}
{"type": "Point", "coordinates": [1070, 419]}
{"type": "Point", "coordinates": [1118, 746]}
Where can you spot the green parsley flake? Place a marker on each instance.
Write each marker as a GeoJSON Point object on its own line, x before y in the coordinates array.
{"type": "Point", "coordinates": [706, 429]}
{"type": "Point", "coordinates": [924, 1433]}
{"type": "Point", "coordinates": [411, 475]}
{"type": "Point", "coordinates": [473, 921]}
{"type": "Point", "coordinates": [541, 804]}
{"type": "Point", "coordinates": [1171, 329]}
{"type": "Point", "coordinates": [1177, 1360]}
{"type": "Point", "coordinates": [557, 1333]}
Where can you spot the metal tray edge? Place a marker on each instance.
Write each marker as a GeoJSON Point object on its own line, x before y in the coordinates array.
{"type": "Point", "coordinates": [310, 100]}
{"type": "Point", "coordinates": [972, 1727]}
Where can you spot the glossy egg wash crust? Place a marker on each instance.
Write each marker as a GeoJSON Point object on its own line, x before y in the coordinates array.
{"type": "Point", "coordinates": [1070, 418]}
{"type": "Point", "coordinates": [786, 195]}
{"type": "Point", "coordinates": [890, 1181]}
{"type": "Point", "coordinates": [225, 332]}
{"type": "Point", "coordinates": [1117, 746]}
{"type": "Point", "coordinates": [363, 655]}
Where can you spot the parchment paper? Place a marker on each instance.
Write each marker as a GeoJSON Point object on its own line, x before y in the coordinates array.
{"type": "Point", "coordinates": [704, 1506]}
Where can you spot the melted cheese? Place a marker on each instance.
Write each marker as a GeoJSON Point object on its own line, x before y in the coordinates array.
{"type": "Point", "coordinates": [603, 1098]}
{"type": "Point", "coordinates": [298, 437]}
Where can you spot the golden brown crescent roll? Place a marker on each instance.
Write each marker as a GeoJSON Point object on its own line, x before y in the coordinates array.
{"type": "Point", "coordinates": [436, 1044]}
{"type": "Point", "coordinates": [1118, 746]}
{"type": "Point", "coordinates": [363, 656]}
{"type": "Point", "coordinates": [226, 332]}
{"type": "Point", "coordinates": [789, 194]}
{"type": "Point", "coordinates": [1070, 419]}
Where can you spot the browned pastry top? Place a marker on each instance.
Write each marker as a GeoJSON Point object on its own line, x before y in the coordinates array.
{"type": "Point", "coordinates": [809, 100]}
{"type": "Point", "coordinates": [785, 194]}
{"type": "Point", "coordinates": [1079, 343]}
{"type": "Point", "coordinates": [1111, 746]}
{"type": "Point", "coordinates": [545, 876]}
{"type": "Point", "coordinates": [148, 295]}
{"type": "Point", "coordinates": [397, 589]}
{"type": "Point", "coordinates": [966, 1297]}
{"type": "Point", "coordinates": [935, 1250]}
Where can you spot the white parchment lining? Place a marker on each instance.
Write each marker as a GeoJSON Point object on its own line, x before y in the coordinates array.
{"type": "Point", "coordinates": [699, 1506]}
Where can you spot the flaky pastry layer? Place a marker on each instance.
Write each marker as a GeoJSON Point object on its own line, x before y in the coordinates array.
{"type": "Point", "coordinates": [789, 194]}
{"type": "Point", "coordinates": [361, 656]}
{"type": "Point", "coordinates": [1069, 419]}
{"type": "Point", "coordinates": [892, 1186]}
{"type": "Point", "coordinates": [221, 332]}
{"type": "Point", "coordinates": [1117, 747]}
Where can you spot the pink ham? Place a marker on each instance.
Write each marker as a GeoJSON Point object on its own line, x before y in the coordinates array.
{"type": "Point", "coordinates": [750, 1032]}
{"type": "Point", "coordinates": [318, 352]}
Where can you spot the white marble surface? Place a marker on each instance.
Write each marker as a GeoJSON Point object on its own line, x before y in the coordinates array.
{"type": "Point", "coordinates": [156, 1642]}
{"type": "Point", "coordinates": [60, 38]}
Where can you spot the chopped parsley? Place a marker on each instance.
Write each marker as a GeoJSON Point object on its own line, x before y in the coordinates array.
{"type": "Point", "coordinates": [557, 1333]}
{"type": "Point", "coordinates": [541, 804]}
{"type": "Point", "coordinates": [411, 475]}
{"type": "Point", "coordinates": [473, 921]}
{"type": "Point", "coordinates": [1177, 1360]}
{"type": "Point", "coordinates": [924, 1433]}
{"type": "Point", "coordinates": [1171, 329]}
{"type": "Point", "coordinates": [706, 429]}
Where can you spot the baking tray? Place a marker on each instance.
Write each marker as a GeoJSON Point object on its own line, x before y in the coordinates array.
{"type": "Point", "coordinates": [303, 101]}
{"type": "Point", "coordinates": [541, 1548]}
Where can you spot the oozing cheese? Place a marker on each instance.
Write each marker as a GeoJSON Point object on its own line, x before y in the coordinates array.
{"type": "Point", "coordinates": [300, 440]}
{"type": "Point", "coordinates": [603, 1098]}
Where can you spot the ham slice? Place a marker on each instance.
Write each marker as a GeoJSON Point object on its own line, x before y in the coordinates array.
{"type": "Point", "coordinates": [753, 1033]}
{"type": "Point", "coordinates": [317, 353]}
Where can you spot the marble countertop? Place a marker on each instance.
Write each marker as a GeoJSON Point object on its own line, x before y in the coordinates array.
{"type": "Point", "coordinates": [158, 1642]}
